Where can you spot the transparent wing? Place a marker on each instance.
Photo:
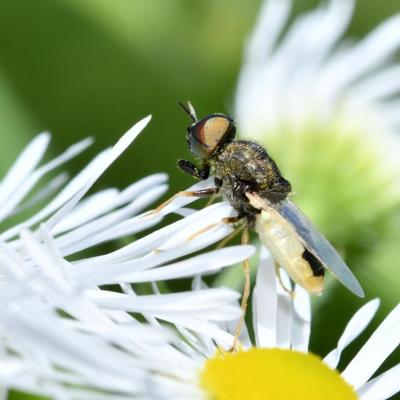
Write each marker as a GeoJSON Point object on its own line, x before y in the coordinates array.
{"type": "Point", "coordinates": [316, 243]}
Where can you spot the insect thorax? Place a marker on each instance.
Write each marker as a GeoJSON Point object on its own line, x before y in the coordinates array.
{"type": "Point", "coordinates": [245, 166]}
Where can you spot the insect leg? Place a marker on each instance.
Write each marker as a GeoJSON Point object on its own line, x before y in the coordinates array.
{"type": "Point", "coordinates": [210, 201]}
{"type": "Point", "coordinates": [189, 168]}
{"type": "Point", "coordinates": [246, 291]}
{"type": "Point", "coordinates": [224, 241]}
{"type": "Point", "coordinates": [278, 275]}
{"type": "Point", "coordinates": [197, 193]}
{"type": "Point", "coordinates": [202, 230]}
{"type": "Point", "coordinates": [228, 220]}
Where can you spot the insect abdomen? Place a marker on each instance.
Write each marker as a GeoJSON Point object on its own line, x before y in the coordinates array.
{"type": "Point", "coordinates": [289, 252]}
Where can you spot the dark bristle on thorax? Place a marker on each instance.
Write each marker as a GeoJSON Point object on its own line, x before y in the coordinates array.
{"type": "Point", "coordinates": [242, 166]}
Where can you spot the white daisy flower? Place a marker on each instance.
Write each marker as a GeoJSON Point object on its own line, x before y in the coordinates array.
{"type": "Point", "coordinates": [62, 332]}
{"type": "Point", "coordinates": [310, 71]}
{"type": "Point", "coordinates": [326, 107]}
{"type": "Point", "coordinates": [277, 364]}
{"type": "Point", "coordinates": [58, 330]}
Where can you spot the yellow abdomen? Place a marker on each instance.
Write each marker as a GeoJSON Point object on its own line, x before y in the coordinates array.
{"type": "Point", "coordinates": [283, 243]}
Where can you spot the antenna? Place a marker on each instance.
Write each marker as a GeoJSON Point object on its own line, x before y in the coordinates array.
{"type": "Point", "coordinates": [189, 109]}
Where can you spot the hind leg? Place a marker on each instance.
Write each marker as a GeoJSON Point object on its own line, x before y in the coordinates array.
{"type": "Point", "coordinates": [278, 275]}
{"type": "Point", "coordinates": [246, 292]}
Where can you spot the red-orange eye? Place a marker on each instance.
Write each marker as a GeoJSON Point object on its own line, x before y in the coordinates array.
{"type": "Point", "coordinates": [206, 135]}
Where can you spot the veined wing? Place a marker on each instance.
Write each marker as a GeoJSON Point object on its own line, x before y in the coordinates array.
{"type": "Point", "coordinates": [313, 241]}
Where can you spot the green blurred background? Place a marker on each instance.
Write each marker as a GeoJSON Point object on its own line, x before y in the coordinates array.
{"type": "Point", "coordinates": [95, 67]}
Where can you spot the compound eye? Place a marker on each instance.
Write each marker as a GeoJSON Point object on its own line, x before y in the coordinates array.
{"type": "Point", "coordinates": [209, 133]}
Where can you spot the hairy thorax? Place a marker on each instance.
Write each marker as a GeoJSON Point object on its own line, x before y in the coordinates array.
{"type": "Point", "coordinates": [244, 166]}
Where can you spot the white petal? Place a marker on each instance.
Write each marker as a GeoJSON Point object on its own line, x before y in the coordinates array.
{"type": "Point", "coordinates": [389, 114]}
{"type": "Point", "coordinates": [115, 152]}
{"type": "Point", "coordinates": [383, 386]}
{"type": "Point", "coordinates": [107, 228]}
{"type": "Point", "coordinates": [31, 180]}
{"type": "Point", "coordinates": [48, 190]}
{"type": "Point", "coordinates": [285, 321]}
{"type": "Point", "coordinates": [61, 197]}
{"type": "Point", "coordinates": [375, 351]}
{"type": "Point", "coordinates": [155, 239]}
{"type": "Point", "coordinates": [215, 214]}
{"type": "Point", "coordinates": [24, 165]}
{"type": "Point", "coordinates": [185, 211]}
{"type": "Point", "coordinates": [380, 85]}
{"type": "Point", "coordinates": [69, 348]}
{"type": "Point", "coordinates": [210, 262]}
{"type": "Point", "coordinates": [270, 23]}
{"type": "Point", "coordinates": [51, 267]}
{"type": "Point", "coordinates": [265, 302]}
{"type": "Point", "coordinates": [222, 337]}
{"type": "Point", "coordinates": [372, 51]}
{"type": "Point", "coordinates": [85, 211]}
{"type": "Point", "coordinates": [141, 186]}
{"type": "Point", "coordinates": [301, 328]}
{"type": "Point", "coordinates": [128, 331]}
{"type": "Point", "coordinates": [273, 85]}
{"type": "Point", "coordinates": [196, 302]}
{"type": "Point", "coordinates": [52, 280]}
{"type": "Point", "coordinates": [284, 313]}
{"type": "Point", "coordinates": [166, 387]}
{"type": "Point", "coordinates": [112, 225]}
{"type": "Point", "coordinates": [354, 328]}
{"type": "Point", "coordinates": [100, 269]}
{"type": "Point", "coordinates": [88, 209]}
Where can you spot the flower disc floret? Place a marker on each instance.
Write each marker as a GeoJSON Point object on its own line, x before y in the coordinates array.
{"type": "Point", "coordinates": [277, 374]}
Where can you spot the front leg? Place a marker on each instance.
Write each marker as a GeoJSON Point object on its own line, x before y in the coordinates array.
{"type": "Point", "coordinates": [190, 169]}
{"type": "Point", "coordinates": [202, 193]}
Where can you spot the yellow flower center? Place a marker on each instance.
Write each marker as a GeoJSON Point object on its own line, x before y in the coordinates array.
{"type": "Point", "coordinates": [272, 374]}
